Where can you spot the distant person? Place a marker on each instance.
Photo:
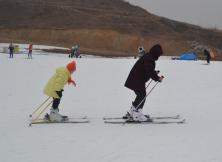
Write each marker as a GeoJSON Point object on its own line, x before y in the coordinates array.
{"type": "Point", "coordinates": [54, 89]}
{"type": "Point", "coordinates": [30, 51]}
{"type": "Point", "coordinates": [72, 51]}
{"type": "Point", "coordinates": [142, 71]}
{"type": "Point", "coordinates": [75, 52]}
{"type": "Point", "coordinates": [141, 51]}
{"type": "Point", "coordinates": [207, 54]}
{"type": "Point", "coordinates": [11, 50]}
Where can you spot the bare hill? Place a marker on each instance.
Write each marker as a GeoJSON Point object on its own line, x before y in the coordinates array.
{"type": "Point", "coordinates": [111, 27]}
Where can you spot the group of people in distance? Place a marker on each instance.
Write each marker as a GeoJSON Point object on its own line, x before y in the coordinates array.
{"type": "Point", "coordinates": [74, 52]}
{"type": "Point", "coordinates": [11, 49]}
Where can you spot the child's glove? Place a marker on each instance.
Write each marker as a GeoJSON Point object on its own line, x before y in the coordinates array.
{"type": "Point", "coordinates": [70, 81]}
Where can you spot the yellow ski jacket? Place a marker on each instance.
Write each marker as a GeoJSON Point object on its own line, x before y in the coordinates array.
{"type": "Point", "coordinates": [57, 82]}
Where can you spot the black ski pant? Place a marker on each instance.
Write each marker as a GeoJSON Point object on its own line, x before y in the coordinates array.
{"type": "Point", "coordinates": [56, 101]}
{"type": "Point", "coordinates": [140, 98]}
{"type": "Point", "coordinates": [11, 54]}
{"type": "Point", "coordinates": [208, 60]}
{"type": "Point", "coordinates": [30, 54]}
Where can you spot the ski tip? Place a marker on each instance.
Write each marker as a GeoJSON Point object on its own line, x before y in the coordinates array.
{"type": "Point", "coordinates": [182, 122]}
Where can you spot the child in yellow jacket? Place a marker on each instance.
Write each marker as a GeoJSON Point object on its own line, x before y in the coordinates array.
{"type": "Point", "coordinates": [54, 89]}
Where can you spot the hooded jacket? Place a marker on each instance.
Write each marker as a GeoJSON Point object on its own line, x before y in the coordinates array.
{"type": "Point", "coordinates": [144, 69]}
{"type": "Point", "coordinates": [57, 82]}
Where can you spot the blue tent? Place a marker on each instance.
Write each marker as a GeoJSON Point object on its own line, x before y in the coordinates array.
{"type": "Point", "coordinates": [188, 56]}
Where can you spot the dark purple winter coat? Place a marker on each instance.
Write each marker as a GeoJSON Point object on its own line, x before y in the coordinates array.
{"type": "Point", "coordinates": [144, 69]}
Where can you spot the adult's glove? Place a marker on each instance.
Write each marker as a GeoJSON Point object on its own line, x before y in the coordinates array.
{"type": "Point", "coordinates": [160, 79]}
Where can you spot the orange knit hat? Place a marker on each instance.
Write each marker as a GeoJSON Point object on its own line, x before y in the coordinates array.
{"type": "Point", "coordinates": [71, 66]}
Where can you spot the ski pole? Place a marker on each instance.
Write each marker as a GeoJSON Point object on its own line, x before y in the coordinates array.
{"type": "Point", "coordinates": [43, 110]}
{"type": "Point", "coordinates": [147, 95]}
{"type": "Point", "coordinates": [149, 84]}
{"type": "Point", "coordinates": [39, 107]}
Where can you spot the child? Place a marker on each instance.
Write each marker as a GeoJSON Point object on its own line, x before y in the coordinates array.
{"type": "Point", "coordinates": [54, 88]}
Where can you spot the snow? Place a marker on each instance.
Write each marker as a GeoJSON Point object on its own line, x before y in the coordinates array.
{"type": "Point", "coordinates": [190, 89]}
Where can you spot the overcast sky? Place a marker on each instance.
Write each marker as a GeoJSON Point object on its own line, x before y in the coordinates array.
{"type": "Point", "coordinates": [205, 13]}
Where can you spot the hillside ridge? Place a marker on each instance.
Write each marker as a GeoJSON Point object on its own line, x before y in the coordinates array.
{"type": "Point", "coordinates": [101, 25]}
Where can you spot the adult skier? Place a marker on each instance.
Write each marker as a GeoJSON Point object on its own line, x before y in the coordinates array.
{"type": "Point", "coordinates": [54, 89]}
{"type": "Point", "coordinates": [11, 50]}
{"type": "Point", "coordinates": [142, 71]}
{"type": "Point", "coordinates": [30, 51]}
{"type": "Point", "coordinates": [207, 54]}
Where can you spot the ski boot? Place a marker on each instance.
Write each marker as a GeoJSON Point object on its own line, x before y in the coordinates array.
{"type": "Point", "coordinates": [46, 117]}
{"type": "Point", "coordinates": [129, 114]}
{"type": "Point", "coordinates": [138, 116]}
{"type": "Point", "coordinates": [55, 116]}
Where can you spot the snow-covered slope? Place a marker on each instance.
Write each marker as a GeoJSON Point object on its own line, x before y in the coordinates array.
{"type": "Point", "coordinates": [190, 89]}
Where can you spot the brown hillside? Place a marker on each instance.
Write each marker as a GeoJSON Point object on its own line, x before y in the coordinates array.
{"type": "Point", "coordinates": [111, 27]}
